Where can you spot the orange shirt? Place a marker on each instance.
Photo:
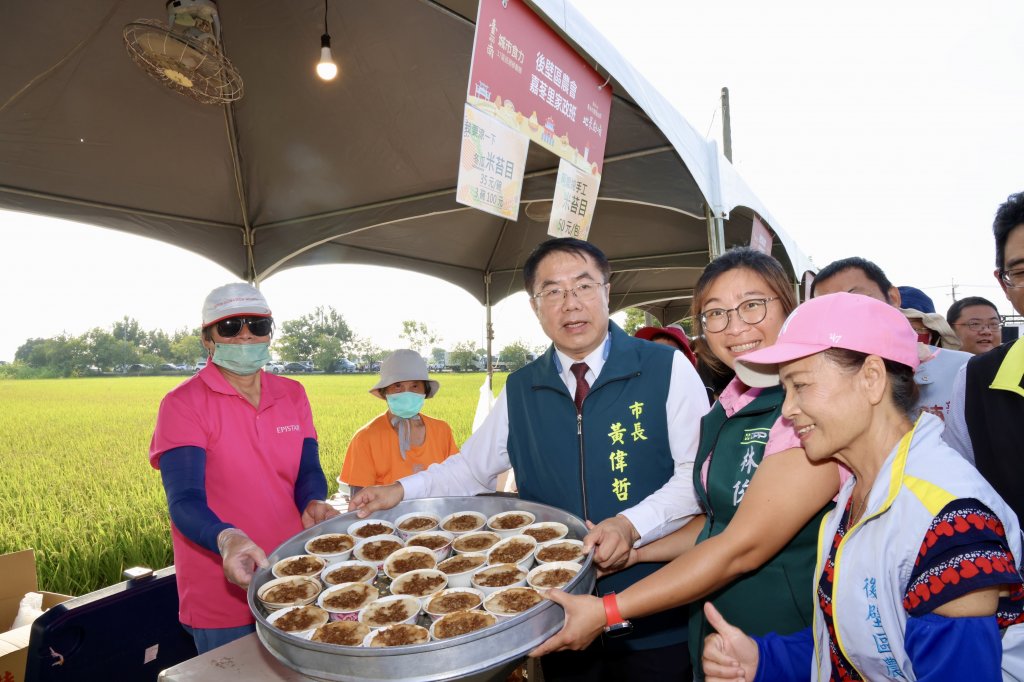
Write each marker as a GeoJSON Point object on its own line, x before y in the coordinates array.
{"type": "Point", "coordinates": [373, 457]}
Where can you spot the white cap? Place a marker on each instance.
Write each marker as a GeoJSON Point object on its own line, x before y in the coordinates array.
{"type": "Point", "coordinates": [232, 300]}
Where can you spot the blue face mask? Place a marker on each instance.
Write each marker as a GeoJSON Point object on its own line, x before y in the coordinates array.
{"type": "Point", "coordinates": [242, 358]}
{"type": "Point", "coordinates": [405, 405]}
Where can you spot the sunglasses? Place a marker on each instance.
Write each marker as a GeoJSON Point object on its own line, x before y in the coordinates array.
{"type": "Point", "coordinates": [258, 326]}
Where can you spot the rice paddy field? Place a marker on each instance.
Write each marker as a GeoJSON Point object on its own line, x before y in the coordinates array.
{"type": "Point", "coordinates": [75, 479]}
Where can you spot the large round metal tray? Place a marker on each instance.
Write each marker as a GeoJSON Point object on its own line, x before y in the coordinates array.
{"type": "Point", "coordinates": [486, 655]}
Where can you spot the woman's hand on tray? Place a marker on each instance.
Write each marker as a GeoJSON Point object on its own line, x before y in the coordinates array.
{"type": "Point", "coordinates": [584, 621]}
{"type": "Point", "coordinates": [240, 556]}
{"type": "Point", "coordinates": [375, 498]}
{"type": "Point", "coordinates": [317, 511]}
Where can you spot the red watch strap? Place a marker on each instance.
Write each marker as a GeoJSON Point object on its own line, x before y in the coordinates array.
{"type": "Point", "coordinates": [611, 610]}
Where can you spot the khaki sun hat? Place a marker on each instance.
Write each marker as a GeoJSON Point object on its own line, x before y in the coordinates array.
{"type": "Point", "coordinates": [404, 365]}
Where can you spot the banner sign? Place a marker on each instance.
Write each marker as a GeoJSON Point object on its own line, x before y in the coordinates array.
{"type": "Point", "coordinates": [491, 165]}
{"type": "Point", "coordinates": [526, 76]}
{"type": "Point", "coordinates": [575, 198]}
{"type": "Point", "coordinates": [760, 238]}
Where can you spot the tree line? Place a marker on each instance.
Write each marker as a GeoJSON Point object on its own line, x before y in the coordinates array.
{"type": "Point", "coordinates": [321, 337]}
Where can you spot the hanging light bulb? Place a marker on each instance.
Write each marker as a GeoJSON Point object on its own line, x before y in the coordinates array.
{"type": "Point", "coordinates": [326, 68]}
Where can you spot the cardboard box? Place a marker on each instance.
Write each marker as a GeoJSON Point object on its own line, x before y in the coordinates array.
{"type": "Point", "coordinates": [19, 578]}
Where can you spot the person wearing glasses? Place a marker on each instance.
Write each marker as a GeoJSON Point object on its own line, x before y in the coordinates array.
{"type": "Point", "coordinates": [752, 553]}
{"type": "Point", "coordinates": [602, 425]}
{"type": "Point", "coordinates": [239, 460]}
{"type": "Point", "coordinates": [938, 368]}
{"type": "Point", "coordinates": [918, 566]}
{"type": "Point", "coordinates": [977, 323]}
{"type": "Point", "coordinates": [402, 441]}
{"type": "Point", "coordinates": [988, 395]}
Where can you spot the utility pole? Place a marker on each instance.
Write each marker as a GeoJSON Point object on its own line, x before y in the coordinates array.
{"type": "Point", "coordinates": [726, 125]}
{"type": "Point", "coordinates": [952, 289]}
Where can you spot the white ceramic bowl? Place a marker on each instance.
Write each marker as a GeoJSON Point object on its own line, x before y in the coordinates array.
{"type": "Point", "coordinates": [462, 578]}
{"type": "Point", "coordinates": [359, 552]}
{"type": "Point", "coordinates": [406, 519]}
{"type": "Point", "coordinates": [331, 556]}
{"type": "Point", "coordinates": [434, 606]}
{"type": "Point", "coordinates": [484, 574]}
{"type": "Point", "coordinates": [418, 631]}
{"type": "Point", "coordinates": [369, 595]}
{"type": "Point", "coordinates": [493, 602]}
{"type": "Point", "coordinates": [546, 531]}
{"type": "Point", "coordinates": [437, 541]}
{"type": "Point", "coordinates": [370, 615]}
{"type": "Point", "coordinates": [358, 631]}
{"type": "Point", "coordinates": [479, 521]}
{"type": "Point", "coordinates": [498, 522]}
{"type": "Point", "coordinates": [437, 627]}
{"type": "Point", "coordinates": [523, 559]}
{"type": "Point", "coordinates": [475, 542]}
{"type": "Point", "coordinates": [311, 587]}
{"type": "Point", "coordinates": [403, 583]}
{"type": "Point", "coordinates": [377, 526]}
{"type": "Point", "coordinates": [316, 565]}
{"type": "Point", "coordinates": [368, 574]}
{"type": "Point", "coordinates": [533, 578]}
{"type": "Point", "coordinates": [320, 617]}
{"type": "Point", "coordinates": [543, 557]}
{"type": "Point", "coordinates": [409, 559]}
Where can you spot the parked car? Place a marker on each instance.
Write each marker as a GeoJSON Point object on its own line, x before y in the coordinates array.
{"type": "Point", "coordinates": [344, 366]}
{"type": "Point", "coordinates": [274, 367]}
{"type": "Point", "coordinates": [137, 369]}
{"type": "Point", "coordinates": [200, 365]}
{"type": "Point", "coordinates": [168, 367]}
{"type": "Point", "coordinates": [296, 367]}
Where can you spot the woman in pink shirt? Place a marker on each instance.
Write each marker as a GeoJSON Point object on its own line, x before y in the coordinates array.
{"type": "Point", "coordinates": [238, 456]}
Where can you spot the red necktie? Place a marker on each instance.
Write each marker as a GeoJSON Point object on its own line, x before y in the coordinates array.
{"type": "Point", "coordinates": [579, 369]}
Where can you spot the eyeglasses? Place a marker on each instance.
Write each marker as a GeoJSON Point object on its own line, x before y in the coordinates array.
{"type": "Point", "coordinates": [1013, 278]}
{"type": "Point", "coordinates": [751, 311]}
{"type": "Point", "coordinates": [258, 326]}
{"type": "Point", "coordinates": [978, 325]}
{"type": "Point", "coordinates": [584, 292]}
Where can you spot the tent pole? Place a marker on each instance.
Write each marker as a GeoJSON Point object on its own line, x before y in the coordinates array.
{"type": "Point", "coordinates": [490, 328]}
{"type": "Point", "coordinates": [716, 234]}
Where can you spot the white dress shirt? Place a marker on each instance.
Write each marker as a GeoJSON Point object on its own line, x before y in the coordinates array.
{"type": "Point", "coordinates": [484, 455]}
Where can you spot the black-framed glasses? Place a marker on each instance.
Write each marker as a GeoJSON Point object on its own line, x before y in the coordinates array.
{"type": "Point", "coordinates": [1013, 278]}
{"type": "Point", "coordinates": [978, 325]}
{"type": "Point", "coordinates": [587, 291]}
{"type": "Point", "coordinates": [258, 326]}
{"type": "Point", "coordinates": [751, 311]}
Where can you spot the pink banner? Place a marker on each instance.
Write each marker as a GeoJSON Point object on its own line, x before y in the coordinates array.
{"type": "Point", "coordinates": [760, 238]}
{"type": "Point", "coordinates": [525, 75]}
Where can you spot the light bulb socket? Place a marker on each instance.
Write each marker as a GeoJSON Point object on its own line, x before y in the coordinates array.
{"type": "Point", "coordinates": [325, 40]}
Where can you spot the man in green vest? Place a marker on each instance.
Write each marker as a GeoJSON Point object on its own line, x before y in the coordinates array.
{"type": "Point", "coordinates": [988, 393]}
{"type": "Point", "coordinates": [602, 425]}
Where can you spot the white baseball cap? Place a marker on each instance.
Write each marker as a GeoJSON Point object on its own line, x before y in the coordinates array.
{"type": "Point", "coordinates": [232, 300]}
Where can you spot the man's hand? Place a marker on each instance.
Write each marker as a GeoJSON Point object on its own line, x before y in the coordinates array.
{"type": "Point", "coordinates": [376, 498]}
{"type": "Point", "coordinates": [729, 654]}
{"type": "Point", "coordinates": [239, 556]}
{"type": "Point", "coordinates": [317, 511]}
{"type": "Point", "coordinates": [612, 541]}
{"type": "Point", "coordinates": [584, 621]}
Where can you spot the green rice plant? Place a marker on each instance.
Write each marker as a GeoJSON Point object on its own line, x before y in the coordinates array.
{"type": "Point", "coordinates": [76, 480]}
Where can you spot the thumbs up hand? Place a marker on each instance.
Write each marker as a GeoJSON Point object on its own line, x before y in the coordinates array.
{"type": "Point", "coordinates": [729, 654]}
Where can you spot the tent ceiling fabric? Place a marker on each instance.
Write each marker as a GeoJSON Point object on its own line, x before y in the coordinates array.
{"type": "Point", "coordinates": [361, 170]}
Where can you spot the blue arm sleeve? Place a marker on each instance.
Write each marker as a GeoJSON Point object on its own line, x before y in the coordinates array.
{"type": "Point", "coordinates": [944, 648]}
{"type": "Point", "coordinates": [310, 484]}
{"type": "Point", "coordinates": [785, 657]}
{"type": "Point", "coordinates": [183, 471]}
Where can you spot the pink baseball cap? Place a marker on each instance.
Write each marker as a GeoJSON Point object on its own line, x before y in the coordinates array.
{"type": "Point", "coordinates": [841, 320]}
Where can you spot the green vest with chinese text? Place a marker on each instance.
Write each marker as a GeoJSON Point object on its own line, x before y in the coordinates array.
{"type": "Point", "coordinates": [621, 456]}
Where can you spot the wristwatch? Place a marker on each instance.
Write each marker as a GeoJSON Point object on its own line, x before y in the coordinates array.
{"type": "Point", "coordinates": [615, 625]}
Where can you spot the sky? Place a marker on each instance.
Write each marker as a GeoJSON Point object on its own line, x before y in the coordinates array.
{"type": "Point", "coordinates": [886, 130]}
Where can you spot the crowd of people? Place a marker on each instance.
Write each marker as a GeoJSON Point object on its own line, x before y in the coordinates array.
{"type": "Point", "coordinates": [826, 490]}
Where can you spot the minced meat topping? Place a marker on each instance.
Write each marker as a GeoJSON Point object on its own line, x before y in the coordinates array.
{"type": "Point", "coordinates": [556, 577]}
{"type": "Point", "coordinates": [289, 592]}
{"type": "Point", "coordinates": [371, 529]}
{"type": "Point", "coordinates": [306, 565]}
{"type": "Point", "coordinates": [429, 541]}
{"type": "Point", "coordinates": [510, 553]}
{"type": "Point", "coordinates": [380, 549]}
{"type": "Point", "coordinates": [331, 544]}
{"type": "Point", "coordinates": [344, 633]}
{"type": "Point", "coordinates": [300, 619]}
{"type": "Point", "coordinates": [460, 564]}
{"type": "Point", "coordinates": [462, 623]}
{"type": "Point", "coordinates": [417, 523]}
{"type": "Point", "coordinates": [463, 522]}
{"type": "Point", "coordinates": [422, 585]}
{"type": "Point", "coordinates": [510, 521]}
{"type": "Point", "coordinates": [455, 601]}
{"type": "Point", "coordinates": [517, 600]}
{"type": "Point", "coordinates": [542, 534]}
{"type": "Point", "coordinates": [349, 574]}
{"type": "Point", "coordinates": [476, 543]}
{"type": "Point", "coordinates": [499, 578]}
{"type": "Point", "coordinates": [400, 635]}
{"type": "Point", "coordinates": [560, 553]}
{"type": "Point", "coordinates": [411, 562]}
{"type": "Point", "coordinates": [348, 599]}
{"type": "Point", "coordinates": [394, 612]}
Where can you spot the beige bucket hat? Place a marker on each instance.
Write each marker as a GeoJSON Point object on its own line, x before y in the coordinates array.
{"type": "Point", "coordinates": [404, 365]}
